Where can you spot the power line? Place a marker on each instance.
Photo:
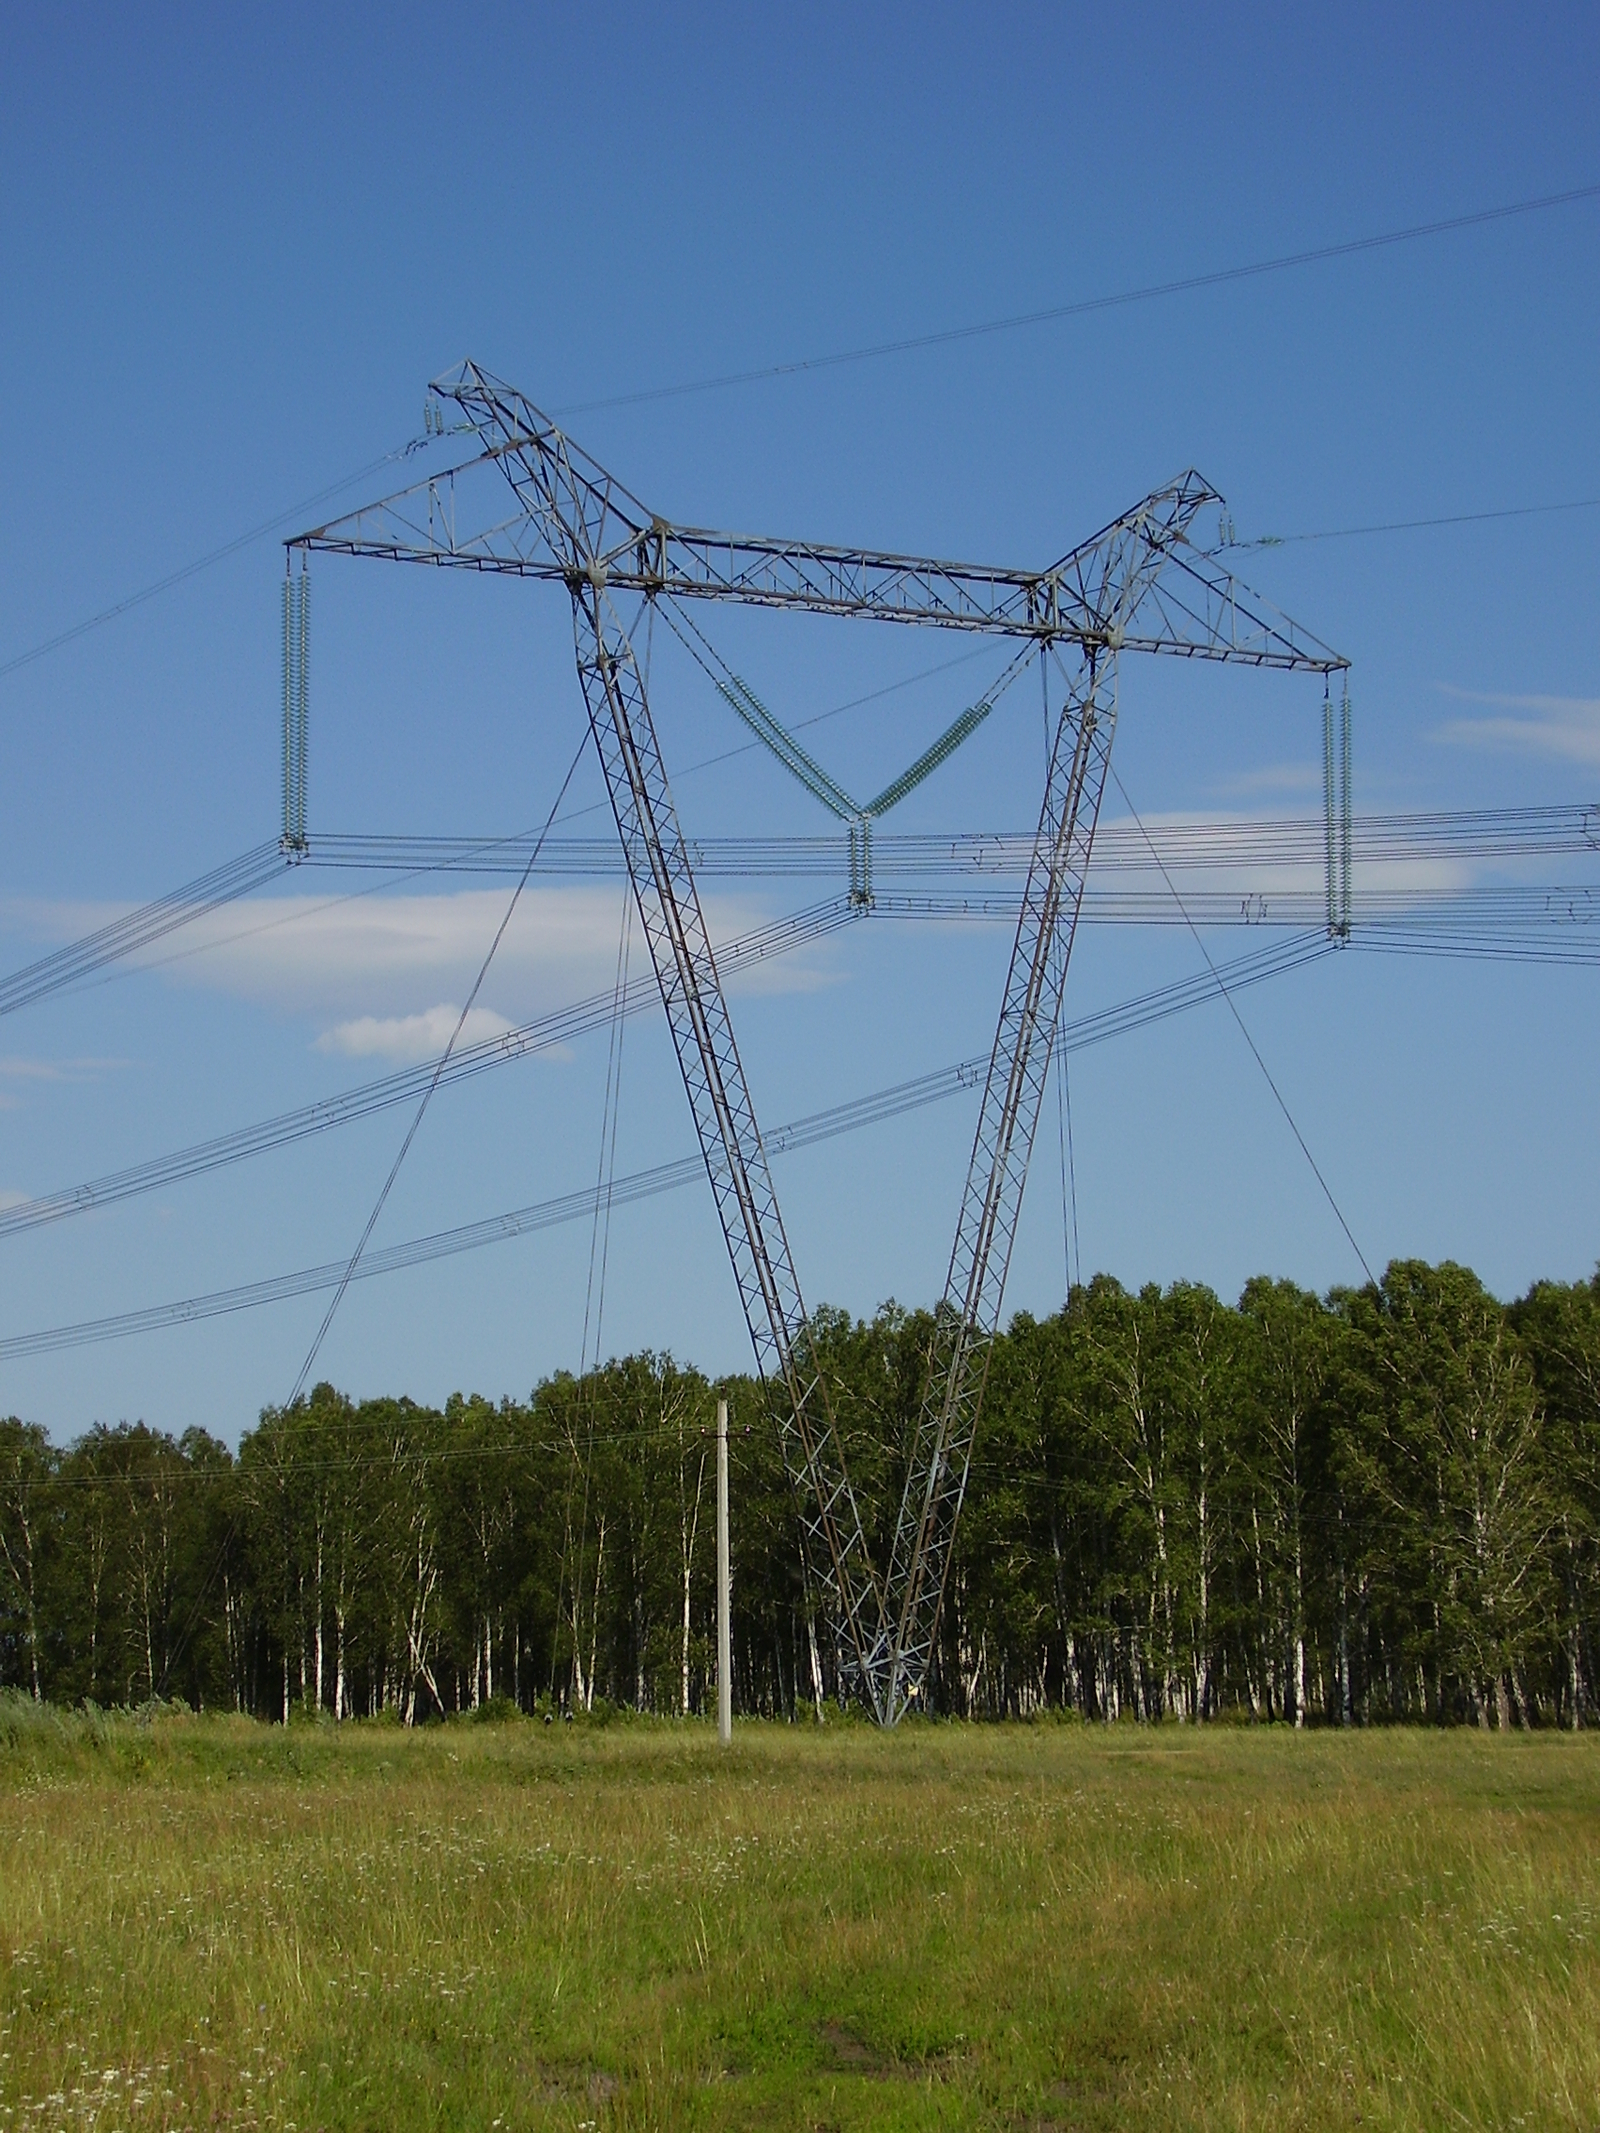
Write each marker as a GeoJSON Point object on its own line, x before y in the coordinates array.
{"type": "Point", "coordinates": [859, 1112]}
{"type": "Point", "coordinates": [137, 929]}
{"type": "Point", "coordinates": [1412, 525]}
{"type": "Point", "coordinates": [1141, 1012]}
{"type": "Point", "coordinates": [1500, 832]}
{"type": "Point", "coordinates": [69, 966]}
{"type": "Point", "coordinates": [1085, 306]}
{"type": "Point", "coordinates": [427, 1094]}
{"type": "Point", "coordinates": [1256, 1055]}
{"type": "Point", "coordinates": [1257, 841]}
{"type": "Point", "coordinates": [1556, 925]}
{"type": "Point", "coordinates": [1515, 918]}
{"type": "Point", "coordinates": [562, 1026]}
{"type": "Point", "coordinates": [180, 576]}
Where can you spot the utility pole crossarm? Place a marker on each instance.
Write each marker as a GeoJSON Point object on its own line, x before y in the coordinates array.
{"type": "Point", "coordinates": [458, 520]}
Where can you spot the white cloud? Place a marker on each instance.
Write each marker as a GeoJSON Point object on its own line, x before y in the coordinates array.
{"type": "Point", "coordinates": [8, 1198]}
{"type": "Point", "coordinates": [17, 1068]}
{"type": "Point", "coordinates": [373, 956]}
{"type": "Point", "coordinates": [1275, 777]}
{"type": "Point", "coordinates": [1564, 726]}
{"type": "Point", "coordinates": [13, 1067]}
{"type": "Point", "coordinates": [380, 958]}
{"type": "Point", "coordinates": [404, 1039]}
{"type": "Point", "coordinates": [1248, 876]}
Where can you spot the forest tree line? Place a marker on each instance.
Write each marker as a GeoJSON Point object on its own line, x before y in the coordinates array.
{"type": "Point", "coordinates": [1375, 1506]}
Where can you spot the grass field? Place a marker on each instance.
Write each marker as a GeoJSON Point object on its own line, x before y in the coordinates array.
{"type": "Point", "coordinates": [209, 1922]}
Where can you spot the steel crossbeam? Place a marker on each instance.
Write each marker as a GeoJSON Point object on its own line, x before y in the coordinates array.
{"type": "Point", "coordinates": [1141, 584]}
{"type": "Point", "coordinates": [1199, 611]}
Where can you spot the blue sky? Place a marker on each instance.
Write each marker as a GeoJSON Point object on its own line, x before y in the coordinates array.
{"type": "Point", "coordinates": [234, 249]}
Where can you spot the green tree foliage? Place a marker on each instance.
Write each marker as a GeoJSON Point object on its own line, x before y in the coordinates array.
{"type": "Point", "coordinates": [1380, 1505]}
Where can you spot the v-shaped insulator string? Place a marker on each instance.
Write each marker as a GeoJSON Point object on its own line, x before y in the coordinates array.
{"type": "Point", "coordinates": [1140, 584]}
{"type": "Point", "coordinates": [858, 816]}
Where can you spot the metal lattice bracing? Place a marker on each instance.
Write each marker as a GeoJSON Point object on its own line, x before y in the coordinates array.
{"type": "Point", "coordinates": [969, 1313]}
{"type": "Point", "coordinates": [968, 1316]}
{"type": "Point", "coordinates": [1139, 585]}
{"type": "Point", "coordinates": [458, 520]}
{"type": "Point", "coordinates": [736, 1162]}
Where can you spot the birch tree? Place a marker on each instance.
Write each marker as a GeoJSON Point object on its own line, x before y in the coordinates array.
{"type": "Point", "coordinates": [27, 1464]}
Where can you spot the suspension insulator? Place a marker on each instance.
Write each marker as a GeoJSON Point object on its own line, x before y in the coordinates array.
{"type": "Point", "coordinates": [296, 654]}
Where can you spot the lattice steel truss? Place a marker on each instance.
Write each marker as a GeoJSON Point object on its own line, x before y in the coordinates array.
{"type": "Point", "coordinates": [1139, 585]}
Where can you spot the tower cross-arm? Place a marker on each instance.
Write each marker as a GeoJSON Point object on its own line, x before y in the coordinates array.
{"type": "Point", "coordinates": [1194, 608]}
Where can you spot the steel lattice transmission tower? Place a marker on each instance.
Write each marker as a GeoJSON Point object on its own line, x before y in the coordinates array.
{"type": "Point", "coordinates": [1140, 585]}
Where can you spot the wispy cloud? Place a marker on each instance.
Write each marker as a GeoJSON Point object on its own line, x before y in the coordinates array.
{"type": "Point", "coordinates": [377, 973]}
{"type": "Point", "coordinates": [1564, 726]}
{"type": "Point", "coordinates": [1193, 870]}
{"type": "Point", "coordinates": [407, 1038]}
{"type": "Point", "coordinates": [372, 956]}
{"type": "Point", "coordinates": [1275, 777]}
{"type": "Point", "coordinates": [347, 960]}
{"type": "Point", "coordinates": [16, 1068]}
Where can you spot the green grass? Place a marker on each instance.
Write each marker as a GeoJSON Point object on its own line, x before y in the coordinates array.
{"type": "Point", "coordinates": [209, 1922]}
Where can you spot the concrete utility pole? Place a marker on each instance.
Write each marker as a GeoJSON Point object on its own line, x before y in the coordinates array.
{"type": "Point", "coordinates": [724, 1627]}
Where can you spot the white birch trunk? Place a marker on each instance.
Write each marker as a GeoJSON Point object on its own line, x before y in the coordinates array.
{"type": "Point", "coordinates": [594, 1612]}
{"type": "Point", "coordinates": [816, 1666]}
{"type": "Point", "coordinates": [688, 1529]}
{"type": "Point", "coordinates": [319, 1655]}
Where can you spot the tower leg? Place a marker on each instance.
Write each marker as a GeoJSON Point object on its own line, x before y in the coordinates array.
{"type": "Point", "coordinates": [736, 1162]}
{"type": "Point", "coordinates": [968, 1316]}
